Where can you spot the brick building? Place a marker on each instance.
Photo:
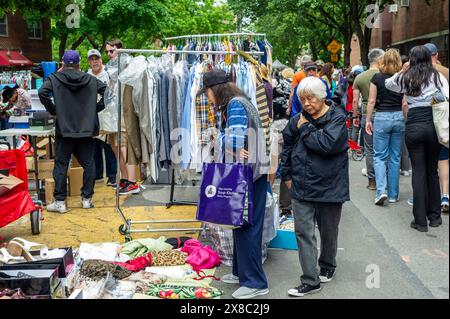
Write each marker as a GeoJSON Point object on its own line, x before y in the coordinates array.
{"type": "Point", "coordinates": [24, 38]}
{"type": "Point", "coordinates": [412, 23]}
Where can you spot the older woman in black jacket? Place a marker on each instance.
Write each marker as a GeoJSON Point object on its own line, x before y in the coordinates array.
{"type": "Point", "coordinates": [315, 169]}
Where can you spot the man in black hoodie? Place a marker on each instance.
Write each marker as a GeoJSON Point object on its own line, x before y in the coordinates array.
{"type": "Point", "coordinates": [75, 107]}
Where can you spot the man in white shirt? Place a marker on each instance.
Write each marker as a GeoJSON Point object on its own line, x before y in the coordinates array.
{"type": "Point", "coordinates": [99, 71]}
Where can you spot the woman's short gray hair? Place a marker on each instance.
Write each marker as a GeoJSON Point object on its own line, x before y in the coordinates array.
{"type": "Point", "coordinates": [312, 86]}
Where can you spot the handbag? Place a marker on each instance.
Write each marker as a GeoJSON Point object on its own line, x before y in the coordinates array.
{"type": "Point", "coordinates": [226, 190]}
{"type": "Point", "coordinates": [440, 119]}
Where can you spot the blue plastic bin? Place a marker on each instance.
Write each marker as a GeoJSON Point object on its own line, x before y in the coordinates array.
{"type": "Point", "coordinates": [285, 240]}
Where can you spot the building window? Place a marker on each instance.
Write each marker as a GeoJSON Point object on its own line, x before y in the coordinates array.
{"type": "Point", "coordinates": [35, 30]}
{"type": "Point", "coordinates": [3, 26]}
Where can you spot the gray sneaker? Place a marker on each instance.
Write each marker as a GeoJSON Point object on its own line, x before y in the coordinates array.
{"type": "Point", "coordinates": [57, 207]}
{"type": "Point", "coordinates": [247, 293]}
{"type": "Point", "coordinates": [87, 203]}
{"type": "Point", "coordinates": [230, 279]}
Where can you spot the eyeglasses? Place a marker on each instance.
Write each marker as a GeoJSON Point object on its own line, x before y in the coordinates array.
{"type": "Point", "coordinates": [111, 51]}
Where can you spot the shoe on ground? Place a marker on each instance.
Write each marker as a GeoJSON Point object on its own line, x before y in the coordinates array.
{"type": "Point", "coordinates": [393, 200]}
{"type": "Point", "coordinates": [87, 203]}
{"type": "Point", "coordinates": [372, 185]}
{"type": "Point", "coordinates": [364, 172]}
{"type": "Point", "coordinates": [422, 229]}
{"type": "Point", "coordinates": [247, 293]}
{"type": "Point", "coordinates": [230, 279]}
{"type": "Point", "coordinates": [111, 182]}
{"type": "Point", "coordinates": [57, 207]}
{"type": "Point", "coordinates": [303, 290]}
{"type": "Point", "coordinates": [436, 222]}
{"type": "Point", "coordinates": [444, 204]}
{"type": "Point", "coordinates": [122, 184]}
{"type": "Point", "coordinates": [326, 275]}
{"type": "Point", "coordinates": [410, 201]}
{"type": "Point", "coordinates": [99, 180]}
{"type": "Point", "coordinates": [129, 189]}
{"type": "Point", "coordinates": [379, 201]}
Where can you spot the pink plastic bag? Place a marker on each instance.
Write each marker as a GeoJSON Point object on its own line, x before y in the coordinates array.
{"type": "Point", "coordinates": [199, 256]}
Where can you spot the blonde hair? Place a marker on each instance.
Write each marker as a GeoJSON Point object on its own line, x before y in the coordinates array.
{"type": "Point", "coordinates": [288, 73]}
{"type": "Point", "coordinates": [391, 62]}
{"type": "Point", "coordinates": [312, 86]}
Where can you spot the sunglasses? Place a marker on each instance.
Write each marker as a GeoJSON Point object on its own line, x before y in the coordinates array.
{"type": "Point", "coordinates": [111, 51]}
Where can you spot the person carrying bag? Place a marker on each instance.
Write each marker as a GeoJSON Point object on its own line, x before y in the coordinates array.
{"type": "Point", "coordinates": [243, 175]}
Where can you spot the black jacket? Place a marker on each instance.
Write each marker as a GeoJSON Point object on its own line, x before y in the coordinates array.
{"type": "Point", "coordinates": [315, 158]}
{"type": "Point", "coordinates": [75, 104]}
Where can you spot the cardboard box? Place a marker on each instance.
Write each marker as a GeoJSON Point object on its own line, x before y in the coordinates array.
{"type": "Point", "coordinates": [7, 183]}
{"type": "Point", "coordinates": [75, 180]}
{"type": "Point", "coordinates": [49, 190]}
{"type": "Point", "coordinates": [75, 162]}
{"type": "Point", "coordinates": [30, 163]}
{"type": "Point", "coordinates": [46, 168]}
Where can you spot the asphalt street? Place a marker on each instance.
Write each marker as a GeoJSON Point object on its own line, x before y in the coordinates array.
{"type": "Point", "coordinates": [379, 255]}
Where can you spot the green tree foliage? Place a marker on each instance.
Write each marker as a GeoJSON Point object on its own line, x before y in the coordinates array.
{"type": "Point", "coordinates": [138, 23]}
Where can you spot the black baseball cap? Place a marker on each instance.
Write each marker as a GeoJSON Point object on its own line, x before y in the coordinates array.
{"type": "Point", "coordinates": [213, 78]}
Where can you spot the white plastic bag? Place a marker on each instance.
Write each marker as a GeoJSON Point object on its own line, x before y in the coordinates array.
{"type": "Point", "coordinates": [440, 119]}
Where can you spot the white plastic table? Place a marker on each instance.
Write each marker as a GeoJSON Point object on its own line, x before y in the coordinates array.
{"type": "Point", "coordinates": [12, 132]}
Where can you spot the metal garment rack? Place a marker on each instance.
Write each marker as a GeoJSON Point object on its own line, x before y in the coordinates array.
{"type": "Point", "coordinates": [126, 228]}
{"type": "Point", "coordinates": [215, 35]}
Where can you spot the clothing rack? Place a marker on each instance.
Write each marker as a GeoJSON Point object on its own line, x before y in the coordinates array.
{"type": "Point", "coordinates": [215, 35]}
{"type": "Point", "coordinates": [126, 228]}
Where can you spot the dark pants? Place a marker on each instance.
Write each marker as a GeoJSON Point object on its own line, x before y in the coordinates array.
{"type": "Point", "coordinates": [368, 149]}
{"type": "Point", "coordinates": [328, 216]}
{"type": "Point", "coordinates": [247, 252]}
{"type": "Point", "coordinates": [423, 147]}
{"type": "Point", "coordinates": [83, 149]}
{"type": "Point", "coordinates": [110, 159]}
{"type": "Point", "coordinates": [285, 197]}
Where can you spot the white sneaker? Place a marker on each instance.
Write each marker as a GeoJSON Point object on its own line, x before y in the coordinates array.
{"type": "Point", "coordinates": [393, 200]}
{"type": "Point", "coordinates": [57, 207]}
{"type": "Point", "coordinates": [364, 172]}
{"type": "Point", "coordinates": [247, 293]}
{"type": "Point", "coordinates": [87, 203]}
{"type": "Point", "coordinates": [230, 279]}
{"type": "Point", "coordinates": [380, 200]}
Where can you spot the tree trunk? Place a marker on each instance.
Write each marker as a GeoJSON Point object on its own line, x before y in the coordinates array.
{"type": "Point", "coordinates": [77, 43]}
{"type": "Point", "coordinates": [365, 46]}
{"type": "Point", "coordinates": [314, 50]}
{"type": "Point", "coordinates": [62, 45]}
{"type": "Point", "coordinates": [347, 48]}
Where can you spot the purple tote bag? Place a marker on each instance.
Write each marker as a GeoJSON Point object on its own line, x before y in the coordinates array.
{"type": "Point", "coordinates": [224, 192]}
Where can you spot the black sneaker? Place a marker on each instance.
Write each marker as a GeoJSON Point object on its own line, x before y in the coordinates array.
{"type": "Point", "coordinates": [326, 275]}
{"type": "Point", "coordinates": [422, 229]}
{"type": "Point", "coordinates": [303, 290]}
{"type": "Point", "coordinates": [111, 181]}
{"type": "Point", "coordinates": [130, 188]}
{"type": "Point", "coordinates": [436, 222]}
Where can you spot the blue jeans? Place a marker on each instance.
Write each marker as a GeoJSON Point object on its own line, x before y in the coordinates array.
{"type": "Point", "coordinates": [389, 128]}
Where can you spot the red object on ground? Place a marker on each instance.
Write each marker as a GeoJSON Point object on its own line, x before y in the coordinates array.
{"type": "Point", "coordinates": [17, 202]}
{"type": "Point", "coordinates": [137, 264]}
{"type": "Point", "coordinates": [199, 256]}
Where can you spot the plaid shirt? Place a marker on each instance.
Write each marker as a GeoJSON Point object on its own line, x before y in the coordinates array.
{"type": "Point", "coordinates": [203, 117]}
